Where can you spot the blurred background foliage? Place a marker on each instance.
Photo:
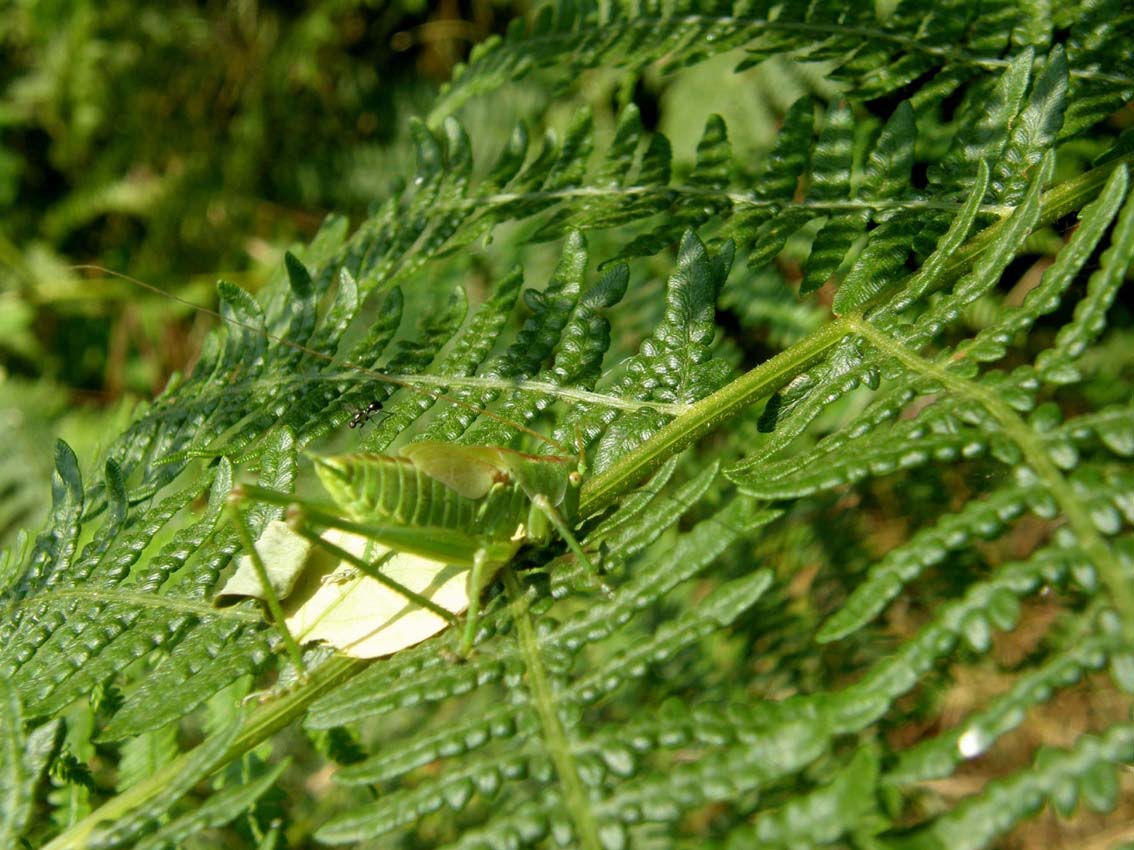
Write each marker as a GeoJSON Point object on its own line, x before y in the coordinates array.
{"type": "Point", "coordinates": [175, 140]}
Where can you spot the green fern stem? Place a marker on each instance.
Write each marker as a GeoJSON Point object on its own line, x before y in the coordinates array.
{"type": "Point", "coordinates": [1058, 201]}
{"type": "Point", "coordinates": [1016, 429]}
{"type": "Point", "coordinates": [707, 414]}
{"type": "Point", "coordinates": [140, 600]}
{"type": "Point", "coordinates": [555, 737]}
{"type": "Point", "coordinates": [1067, 197]}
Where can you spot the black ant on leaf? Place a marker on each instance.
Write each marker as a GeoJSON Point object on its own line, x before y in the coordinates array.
{"type": "Point", "coordinates": [364, 414]}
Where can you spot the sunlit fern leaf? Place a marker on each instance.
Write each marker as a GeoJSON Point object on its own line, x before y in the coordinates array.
{"type": "Point", "coordinates": [982, 133]}
{"type": "Point", "coordinates": [567, 325]}
{"type": "Point", "coordinates": [556, 322]}
{"type": "Point", "coordinates": [54, 545]}
{"type": "Point", "coordinates": [831, 183]}
{"type": "Point", "coordinates": [631, 530]}
{"type": "Point", "coordinates": [633, 183]}
{"type": "Point", "coordinates": [617, 173]}
{"type": "Point", "coordinates": [640, 500]}
{"type": "Point", "coordinates": [675, 364]}
{"type": "Point", "coordinates": [334, 402]}
{"type": "Point", "coordinates": [1034, 130]}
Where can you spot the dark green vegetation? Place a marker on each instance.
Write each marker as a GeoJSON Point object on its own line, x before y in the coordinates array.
{"type": "Point", "coordinates": [878, 590]}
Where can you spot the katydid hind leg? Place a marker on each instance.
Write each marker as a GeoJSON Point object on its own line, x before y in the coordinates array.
{"type": "Point", "coordinates": [556, 519]}
{"type": "Point", "coordinates": [477, 579]}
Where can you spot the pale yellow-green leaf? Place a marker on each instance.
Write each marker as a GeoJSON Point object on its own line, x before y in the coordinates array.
{"type": "Point", "coordinates": [328, 600]}
{"type": "Point", "coordinates": [364, 618]}
{"type": "Point", "coordinates": [284, 554]}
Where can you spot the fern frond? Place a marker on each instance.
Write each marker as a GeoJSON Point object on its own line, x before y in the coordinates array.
{"type": "Point", "coordinates": [616, 710]}
{"type": "Point", "coordinates": [874, 55]}
{"type": "Point", "coordinates": [939, 756]}
{"type": "Point", "coordinates": [23, 758]}
{"type": "Point", "coordinates": [1059, 777]}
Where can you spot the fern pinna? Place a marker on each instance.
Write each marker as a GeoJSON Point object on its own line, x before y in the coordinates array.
{"type": "Point", "coordinates": [813, 529]}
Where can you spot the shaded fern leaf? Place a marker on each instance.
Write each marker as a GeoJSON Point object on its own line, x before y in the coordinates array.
{"type": "Point", "coordinates": [23, 757]}
{"type": "Point", "coordinates": [936, 757]}
{"type": "Point", "coordinates": [1061, 777]}
{"type": "Point", "coordinates": [217, 810]}
{"type": "Point", "coordinates": [129, 827]}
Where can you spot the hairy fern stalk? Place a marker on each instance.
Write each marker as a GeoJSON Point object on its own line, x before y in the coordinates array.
{"type": "Point", "coordinates": [868, 544]}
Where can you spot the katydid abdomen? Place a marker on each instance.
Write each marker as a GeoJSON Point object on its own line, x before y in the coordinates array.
{"type": "Point", "coordinates": [383, 490]}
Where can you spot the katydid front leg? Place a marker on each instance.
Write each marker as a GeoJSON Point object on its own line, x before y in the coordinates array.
{"type": "Point", "coordinates": [472, 618]}
{"type": "Point", "coordinates": [548, 510]}
{"type": "Point", "coordinates": [487, 561]}
{"type": "Point", "coordinates": [543, 504]}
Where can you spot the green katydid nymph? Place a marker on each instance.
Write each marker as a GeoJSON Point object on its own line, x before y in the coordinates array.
{"type": "Point", "coordinates": [424, 533]}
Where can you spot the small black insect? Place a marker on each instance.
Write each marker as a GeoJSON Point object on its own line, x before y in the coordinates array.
{"type": "Point", "coordinates": [364, 414]}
